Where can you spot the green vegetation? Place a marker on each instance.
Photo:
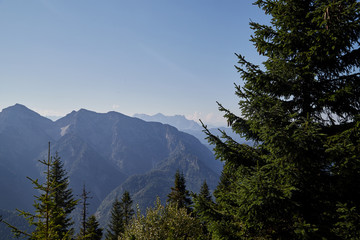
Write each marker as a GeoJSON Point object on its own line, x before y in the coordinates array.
{"type": "Point", "coordinates": [179, 195]}
{"type": "Point", "coordinates": [116, 225]}
{"type": "Point", "coordinates": [121, 215]}
{"type": "Point", "coordinates": [63, 198]}
{"type": "Point", "coordinates": [92, 230]}
{"type": "Point", "coordinates": [300, 179]}
{"type": "Point", "coordinates": [15, 220]}
{"type": "Point", "coordinates": [163, 222]}
{"type": "Point", "coordinates": [53, 205]}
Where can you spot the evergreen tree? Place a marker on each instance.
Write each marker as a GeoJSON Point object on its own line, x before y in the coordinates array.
{"type": "Point", "coordinates": [116, 225]}
{"type": "Point", "coordinates": [127, 211]}
{"type": "Point", "coordinates": [63, 197]}
{"type": "Point", "coordinates": [49, 210]}
{"type": "Point", "coordinates": [202, 201]}
{"type": "Point", "coordinates": [89, 229]}
{"type": "Point", "coordinates": [202, 204]}
{"type": "Point", "coordinates": [121, 214]}
{"type": "Point", "coordinates": [93, 231]}
{"type": "Point", "coordinates": [179, 195]}
{"type": "Point", "coordinates": [301, 178]}
{"type": "Point", "coordinates": [204, 192]}
{"type": "Point", "coordinates": [45, 206]}
{"type": "Point", "coordinates": [84, 203]}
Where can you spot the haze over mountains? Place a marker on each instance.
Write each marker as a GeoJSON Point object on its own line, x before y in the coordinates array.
{"type": "Point", "coordinates": [191, 127]}
{"type": "Point", "coordinates": [178, 121]}
{"type": "Point", "coordinates": [108, 152]}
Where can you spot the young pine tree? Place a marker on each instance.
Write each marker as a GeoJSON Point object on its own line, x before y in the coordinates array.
{"type": "Point", "coordinates": [51, 217]}
{"type": "Point", "coordinates": [301, 178]}
{"type": "Point", "coordinates": [179, 195]}
{"type": "Point", "coordinates": [121, 214]}
{"type": "Point", "coordinates": [204, 192]}
{"type": "Point", "coordinates": [202, 201]}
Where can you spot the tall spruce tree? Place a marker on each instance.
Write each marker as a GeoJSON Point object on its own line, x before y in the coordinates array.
{"type": "Point", "coordinates": [63, 197]}
{"type": "Point", "coordinates": [179, 195]}
{"type": "Point", "coordinates": [301, 178]}
{"type": "Point", "coordinates": [121, 214]}
{"type": "Point", "coordinates": [127, 210]}
{"type": "Point", "coordinates": [116, 225]}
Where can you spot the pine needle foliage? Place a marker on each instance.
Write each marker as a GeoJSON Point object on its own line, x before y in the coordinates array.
{"type": "Point", "coordinates": [179, 195]}
{"type": "Point", "coordinates": [63, 197]}
{"type": "Point", "coordinates": [301, 178]}
{"type": "Point", "coordinates": [121, 215]}
{"type": "Point", "coordinates": [202, 205]}
{"type": "Point", "coordinates": [93, 231]}
{"type": "Point", "coordinates": [52, 206]}
{"type": "Point", "coordinates": [116, 225]}
{"type": "Point", "coordinates": [202, 200]}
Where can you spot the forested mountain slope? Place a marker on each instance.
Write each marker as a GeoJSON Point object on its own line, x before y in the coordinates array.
{"type": "Point", "coordinates": [108, 152]}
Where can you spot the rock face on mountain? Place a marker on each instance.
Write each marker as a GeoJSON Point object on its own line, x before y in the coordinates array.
{"type": "Point", "coordinates": [108, 152]}
{"type": "Point", "coordinates": [191, 127]}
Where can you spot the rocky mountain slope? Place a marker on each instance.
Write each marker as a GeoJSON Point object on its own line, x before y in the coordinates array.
{"type": "Point", "coordinates": [191, 127]}
{"type": "Point", "coordinates": [108, 152]}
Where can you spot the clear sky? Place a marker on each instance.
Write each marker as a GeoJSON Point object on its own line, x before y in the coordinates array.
{"type": "Point", "coordinates": [129, 56]}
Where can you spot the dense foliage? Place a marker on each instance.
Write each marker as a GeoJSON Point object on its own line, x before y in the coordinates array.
{"type": "Point", "coordinates": [63, 197]}
{"type": "Point", "coordinates": [179, 195]}
{"type": "Point", "coordinates": [164, 222]}
{"type": "Point", "coordinates": [301, 177]}
{"type": "Point", "coordinates": [300, 180]}
{"type": "Point", "coordinates": [121, 214]}
{"type": "Point", "coordinates": [93, 231]}
{"type": "Point", "coordinates": [116, 225]}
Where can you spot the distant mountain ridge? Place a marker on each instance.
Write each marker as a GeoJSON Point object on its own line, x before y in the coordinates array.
{"type": "Point", "coordinates": [178, 121]}
{"type": "Point", "coordinates": [109, 152]}
{"type": "Point", "coordinates": [190, 126]}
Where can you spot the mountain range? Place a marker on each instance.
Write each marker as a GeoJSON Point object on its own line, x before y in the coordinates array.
{"type": "Point", "coordinates": [191, 127]}
{"type": "Point", "coordinates": [178, 121]}
{"type": "Point", "coordinates": [106, 152]}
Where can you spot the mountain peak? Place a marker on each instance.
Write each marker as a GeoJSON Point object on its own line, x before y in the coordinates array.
{"type": "Point", "coordinates": [21, 119]}
{"type": "Point", "coordinates": [20, 110]}
{"type": "Point", "coordinates": [84, 110]}
{"type": "Point", "coordinates": [17, 107]}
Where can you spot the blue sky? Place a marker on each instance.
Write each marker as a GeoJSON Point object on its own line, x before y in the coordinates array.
{"type": "Point", "coordinates": [130, 56]}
